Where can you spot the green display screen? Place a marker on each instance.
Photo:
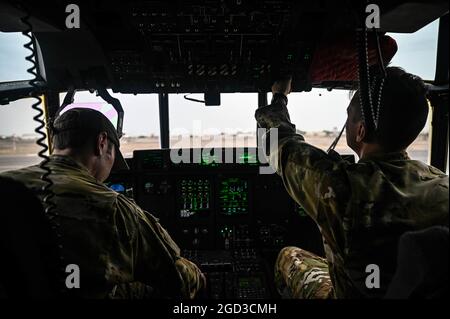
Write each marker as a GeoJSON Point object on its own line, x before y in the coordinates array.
{"type": "Point", "coordinates": [233, 196]}
{"type": "Point", "coordinates": [194, 196]}
{"type": "Point", "coordinates": [210, 160]}
{"type": "Point", "coordinates": [247, 158]}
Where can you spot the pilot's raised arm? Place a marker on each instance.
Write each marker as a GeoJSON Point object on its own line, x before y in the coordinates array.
{"type": "Point", "coordinates": [313, 178]}
{"type": "Point", "coordinates": [156, 257]}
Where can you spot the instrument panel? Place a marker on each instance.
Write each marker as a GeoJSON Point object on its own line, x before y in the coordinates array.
{"type": "Point", "coordinates": [228, 218]}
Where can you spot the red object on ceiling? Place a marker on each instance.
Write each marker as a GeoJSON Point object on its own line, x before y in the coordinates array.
{"type": "Point", "coordinates": [338, 60]}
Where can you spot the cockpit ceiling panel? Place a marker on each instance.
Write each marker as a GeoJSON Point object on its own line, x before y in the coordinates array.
{"type": "Point", "coordinates": [197, 45]}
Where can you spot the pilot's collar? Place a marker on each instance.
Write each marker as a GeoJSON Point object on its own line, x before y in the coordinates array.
{"type": "Point", "coordinates": [387, 157]}
{"type": "Point", "coordinates": [67, 160]}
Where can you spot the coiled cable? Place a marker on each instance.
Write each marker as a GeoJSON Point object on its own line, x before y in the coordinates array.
{"type": "Point", "coordinates": [47, 192]}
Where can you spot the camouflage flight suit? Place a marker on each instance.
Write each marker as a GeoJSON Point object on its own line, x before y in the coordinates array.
{"type": "Point", "coordinates": [361, 210]}
{"type": "Point", "coordinates": [122, 251]}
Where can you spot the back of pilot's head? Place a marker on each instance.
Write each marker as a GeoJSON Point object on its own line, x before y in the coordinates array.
{"type": "Point", "coordinates": [403, 110]}
{"type": "Point", "coordinates": [68, 134]}
{"type": "Point", "coordinates": [88, 133]}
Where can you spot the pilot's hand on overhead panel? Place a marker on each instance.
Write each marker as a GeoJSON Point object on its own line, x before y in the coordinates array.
{"type": "Point", "coordinates": [282, 87]}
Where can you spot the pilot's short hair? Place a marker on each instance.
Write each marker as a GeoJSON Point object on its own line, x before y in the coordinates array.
{"type": "Point", "coordinates": [403, 111]}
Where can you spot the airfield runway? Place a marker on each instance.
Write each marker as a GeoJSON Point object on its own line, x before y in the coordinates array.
{"type": "Point", "coordinates": [25, 154]}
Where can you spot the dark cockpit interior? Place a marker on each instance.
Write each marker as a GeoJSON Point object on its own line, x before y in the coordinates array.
{"type": "Point", "coordinates": [225, 215]}
{"type": "Point", "coordinates": [228, 218]}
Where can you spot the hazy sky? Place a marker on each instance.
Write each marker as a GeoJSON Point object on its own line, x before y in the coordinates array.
{"type": "Point", "coordinates": [313, 111]}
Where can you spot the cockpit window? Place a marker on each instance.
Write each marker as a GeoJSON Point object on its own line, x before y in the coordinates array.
{"type": "Point", "coordinates": [232, 124]}
{"type": "Point", "coordinates": [18, 140]}
{"type": "Point", "coordinates": [17, 137]}
{"type": "Point", "coordinates": [141, 120]}
{"type": "Point", "coordinates": [13, 66]}
{"type": "Point", "coordinates": [105, 108]}
{"type": "Point", "coordinates": [319, 116]}
{"type": "Point", "coordinates": [417, 51]}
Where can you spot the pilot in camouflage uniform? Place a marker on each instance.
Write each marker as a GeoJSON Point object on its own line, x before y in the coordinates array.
{"type": "Point", "coordinates": [361, 210]}
{"type": "Point", "coordinates": [122, 251]}
{"type": "Point", "coordinates": [119, 247]}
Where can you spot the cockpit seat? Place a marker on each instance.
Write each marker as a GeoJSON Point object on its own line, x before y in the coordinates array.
{"type": "Point", "coordinates": [422, 265]}
{"type": "Point", "coordinates": [29, 264]}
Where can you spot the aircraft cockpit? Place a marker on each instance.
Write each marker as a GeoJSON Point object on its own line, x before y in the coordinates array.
{"type": "Point", "coordinates": [172, 76]}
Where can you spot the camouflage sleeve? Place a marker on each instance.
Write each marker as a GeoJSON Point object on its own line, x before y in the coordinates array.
{"type": "Point", "coordinates": [315, 180]}
{"type": "Point", "coordinates": [157, 260]}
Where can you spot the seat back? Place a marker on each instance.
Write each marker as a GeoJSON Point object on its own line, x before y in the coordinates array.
{"type": "Point", "coordinates": [30, 265]}
{"type": "Point", "coordinates": [422, 265]}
